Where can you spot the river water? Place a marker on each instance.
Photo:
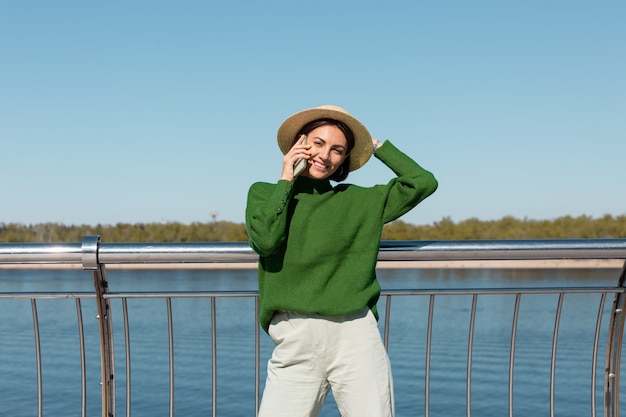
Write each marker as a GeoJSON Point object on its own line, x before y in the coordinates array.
{"type": "Point", "coordinates": [235, 329]}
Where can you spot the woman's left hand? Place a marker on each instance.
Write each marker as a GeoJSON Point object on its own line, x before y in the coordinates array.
{"type": "Point", "coordinates": [376, 144]}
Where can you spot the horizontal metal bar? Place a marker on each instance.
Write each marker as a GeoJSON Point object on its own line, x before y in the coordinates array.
{"type": "Point", "coordinates": [501, 291]}
{"type": "Point", "coordinates": [503, 249]}
{"type": "Point", "coordinates": [195, 294]}
{"type": "Point", "coordinates": [454, 291]}
{"type": "Point", "coordinates": [240, 252]}
{"type": "Point", "coordinates": [41, 253]}
{"type": "Point", "coordinates": [46, 295]}
{"type": "Point", "coordinates": [254, 293]}
{"type": "Point", "coordinates": [202, 252]}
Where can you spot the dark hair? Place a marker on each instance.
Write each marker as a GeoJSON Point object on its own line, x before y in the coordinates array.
{"type": "Point", "coordinates": [342, 172]}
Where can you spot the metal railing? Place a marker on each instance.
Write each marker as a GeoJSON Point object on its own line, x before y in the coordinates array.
{"type": "Point", "coordinates": [92, 255]}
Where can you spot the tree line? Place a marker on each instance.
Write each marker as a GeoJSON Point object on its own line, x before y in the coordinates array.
{"type": "Point", "coordinates": [566, 227]}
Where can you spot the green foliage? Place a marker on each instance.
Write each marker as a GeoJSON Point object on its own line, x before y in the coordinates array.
{"type": "Point", "coordinates": [471, 229]}
{"type": "Point", "coordinates": [567, 227]}
{"type": "Point", "coordinates": [124, 232]}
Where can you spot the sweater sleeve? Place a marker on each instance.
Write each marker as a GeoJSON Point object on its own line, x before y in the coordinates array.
{"type": "Point", "coordinates": [412, 184]}
{"type": "Point", "coordinates": [266, 215]}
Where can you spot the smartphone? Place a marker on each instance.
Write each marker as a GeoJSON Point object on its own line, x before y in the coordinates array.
{"type": "Point", "coordinates": [301, 163]}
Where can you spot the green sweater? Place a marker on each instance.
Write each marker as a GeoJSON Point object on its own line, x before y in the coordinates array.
{"type": "Point", "coordinates": [318, 244]}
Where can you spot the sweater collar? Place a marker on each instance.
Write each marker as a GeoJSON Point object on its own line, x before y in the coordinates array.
{"type": "Point", "coordinates": [312, 186]}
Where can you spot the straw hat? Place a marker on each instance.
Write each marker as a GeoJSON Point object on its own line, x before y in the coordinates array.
{"type": "Point", "coordinates": [362, 150]}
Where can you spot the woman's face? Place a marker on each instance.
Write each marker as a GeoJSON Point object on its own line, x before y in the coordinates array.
{"type": "Point", "coordinates": [329, 149]}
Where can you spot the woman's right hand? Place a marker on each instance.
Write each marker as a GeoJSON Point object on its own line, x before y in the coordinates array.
{"type": "Point", "coordinates": [297, 151]}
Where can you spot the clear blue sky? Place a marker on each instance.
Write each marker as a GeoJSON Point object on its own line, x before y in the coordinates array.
{"type": "Point", "coordinates": [149, 111]}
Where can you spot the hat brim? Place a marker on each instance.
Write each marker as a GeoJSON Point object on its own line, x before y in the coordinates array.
{"type": "Point", "coordinates": [362, 150]}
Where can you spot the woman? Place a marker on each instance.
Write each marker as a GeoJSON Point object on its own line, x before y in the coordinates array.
{"type": "Point", "coordinates": [318, 247]}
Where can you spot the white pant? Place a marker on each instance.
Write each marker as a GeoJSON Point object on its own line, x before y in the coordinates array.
{"type": "Point", "coordinates": [314, 354]}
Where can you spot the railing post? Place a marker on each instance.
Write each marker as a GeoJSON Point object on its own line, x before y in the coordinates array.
{"type": "Point", "coordinates": [614, 351]}
{"type": "Point", "coordinates": [90, 262]}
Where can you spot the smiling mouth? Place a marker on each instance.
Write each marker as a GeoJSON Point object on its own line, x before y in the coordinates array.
{"type": "Point", "coordinates": [320, 166]}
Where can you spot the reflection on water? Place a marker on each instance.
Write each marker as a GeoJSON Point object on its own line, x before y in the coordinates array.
{"type": "Point", "coordinates": [235, 343]}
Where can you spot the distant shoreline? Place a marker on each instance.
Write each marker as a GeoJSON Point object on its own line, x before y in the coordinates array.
{"type": "Point", "coordinates": [474, 264]}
